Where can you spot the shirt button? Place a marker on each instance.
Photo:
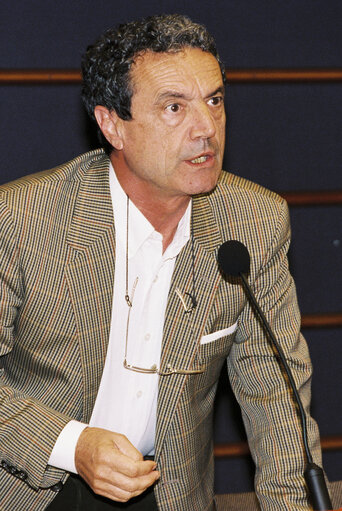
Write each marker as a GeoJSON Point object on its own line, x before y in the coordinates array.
{"type": "Point", "coordinates": [147, 337]}
{"type": "Point", "coordinates": [139, 393]}
{"type": "Point", "coordinates": [155, 279]}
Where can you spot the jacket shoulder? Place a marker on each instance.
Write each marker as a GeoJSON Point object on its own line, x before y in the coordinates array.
{"type": "Point", "coordinates": [247, 211]}
{"type": "Point", "coordinates": [230, 183]}
{"type": "Point", "coordinates": [73, 170]}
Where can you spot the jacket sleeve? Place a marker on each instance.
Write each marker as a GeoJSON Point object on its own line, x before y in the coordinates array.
{"type": "Point", "coordinates": [28, 428]}
{"type": "Point", "coordinates": [269, 413]}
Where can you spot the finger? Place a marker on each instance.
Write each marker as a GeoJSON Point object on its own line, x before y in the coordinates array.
{"type": "Point", "coordinates": [122, 488]}
{"type": "Point", "coordinates": [137, 484]}
{"type": "Point", "coordinates": [131, 468]}
{"type": "Point", "coordinates": [116, 494]}
{"type": "Point", "coordinates": [126, 447]}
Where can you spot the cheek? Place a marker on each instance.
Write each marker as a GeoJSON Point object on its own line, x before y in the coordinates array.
{"type": "Point", "coordinates": [221, 130]}
{"type": "Point", "coordinates": [165, 156]}
{"type": "Point", "coordinates": [220, 122]}
{"type": "Point", "coordinates": [138, 145]}
{"type": "Point", "coordinates": [166, 147]}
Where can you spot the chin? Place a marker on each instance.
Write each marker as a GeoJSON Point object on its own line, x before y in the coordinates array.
{"type": "Point", "coordinates": [203, 190]}
{"type": "Point", "coordinates": [206, 187]}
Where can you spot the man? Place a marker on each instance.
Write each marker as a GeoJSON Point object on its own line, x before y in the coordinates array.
{"type": "Point", "coordinates": [115, 319]}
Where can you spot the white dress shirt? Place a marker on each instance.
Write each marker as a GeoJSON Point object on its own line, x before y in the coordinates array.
{"type": "Point", "coordinates": [127, 400]}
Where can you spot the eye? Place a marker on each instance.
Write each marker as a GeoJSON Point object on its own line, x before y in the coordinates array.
{"type": "Point", "coordinates": [174, 108]}
{"type": "Point", "coordinates": [216, 100]}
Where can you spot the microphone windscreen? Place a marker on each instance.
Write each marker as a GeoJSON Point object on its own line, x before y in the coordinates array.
{"type": "Point", "coordinates": [233, 258]}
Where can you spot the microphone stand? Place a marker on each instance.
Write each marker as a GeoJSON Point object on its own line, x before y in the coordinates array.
{"type": "Point", "coordinates": [313, 474]}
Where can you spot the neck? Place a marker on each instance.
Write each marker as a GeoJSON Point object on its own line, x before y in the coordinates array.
{"type": "Point", "coordinates": [163, 215]}
{"type": "Point", "coordinates": [162, 211]}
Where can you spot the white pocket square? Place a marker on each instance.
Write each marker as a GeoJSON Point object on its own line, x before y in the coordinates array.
{"type": "Point", "coordinates": [218, 334]}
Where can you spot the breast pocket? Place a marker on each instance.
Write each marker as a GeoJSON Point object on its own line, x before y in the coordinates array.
{"type": "Point", "coordinates": [217, 343]}
{"type": "Point", "coordinates": [218, 334]}
{"type": "Point", "coordinates": [213, 351]}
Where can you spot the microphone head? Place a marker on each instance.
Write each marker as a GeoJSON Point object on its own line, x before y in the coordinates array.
{"type": "Point", "coordinates": [233, 258]}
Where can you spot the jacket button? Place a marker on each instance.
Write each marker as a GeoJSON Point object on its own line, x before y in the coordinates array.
{"type": "Point", "coordinates": [57, 487]}
{"type": "Point", "coordinates": [22, 475]}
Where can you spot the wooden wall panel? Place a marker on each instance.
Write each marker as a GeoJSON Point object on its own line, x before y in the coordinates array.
{"type": "Point", "coordinates": [233, 75]}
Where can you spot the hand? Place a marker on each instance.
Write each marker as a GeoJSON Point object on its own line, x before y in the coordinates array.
{"type": "Point", "coordinates": [112, 466]}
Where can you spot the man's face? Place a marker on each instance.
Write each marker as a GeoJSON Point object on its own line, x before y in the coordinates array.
{"type": "Point", "coordinates": [174, 144]}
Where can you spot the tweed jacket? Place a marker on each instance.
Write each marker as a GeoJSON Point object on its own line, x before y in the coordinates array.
{"type": "Point", "coordinates": [57, 253]}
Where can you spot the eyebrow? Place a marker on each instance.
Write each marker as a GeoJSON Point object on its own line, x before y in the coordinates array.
{"type": "Point", "coordinates": [219, 90]}
{"type": "Point", "coordinates": [170, 94]}
{"type": "Point", "coordinates": [178, 95]}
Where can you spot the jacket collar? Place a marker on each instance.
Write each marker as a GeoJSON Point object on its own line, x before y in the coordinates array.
{"type": "Point", "coordinates": [93, 214]}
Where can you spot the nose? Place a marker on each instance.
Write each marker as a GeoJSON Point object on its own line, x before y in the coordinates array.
{"type": "Point", "coordinates": [202, 125]}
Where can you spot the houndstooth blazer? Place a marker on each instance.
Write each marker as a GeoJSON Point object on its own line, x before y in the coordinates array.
{"type": "Point", "coordinates": [57, 253]}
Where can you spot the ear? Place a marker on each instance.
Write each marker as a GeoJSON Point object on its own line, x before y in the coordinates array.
{"type": "Point", "coordinates": [109, 123]}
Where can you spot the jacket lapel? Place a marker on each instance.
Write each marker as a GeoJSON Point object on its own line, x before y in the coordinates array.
{"type": "Point", "coordinates": [90, 278]}
{"type": "Point", "coordinates": [182, 332]}
{"type": "Point", "coordinates": [90, 272]}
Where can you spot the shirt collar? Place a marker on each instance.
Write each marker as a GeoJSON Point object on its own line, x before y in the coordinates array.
{"type": "Point", "coordinates": [140, 229]}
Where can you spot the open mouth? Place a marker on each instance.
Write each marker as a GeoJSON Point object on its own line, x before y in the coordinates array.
{"type": "Point", "coordinates": [200, 160]}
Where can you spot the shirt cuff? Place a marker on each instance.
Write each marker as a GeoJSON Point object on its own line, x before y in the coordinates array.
{"type": "Point", "coordinates": [63, 453]}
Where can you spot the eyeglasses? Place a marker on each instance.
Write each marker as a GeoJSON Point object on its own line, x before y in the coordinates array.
{"type": "Point", "coordinates": [169, 370]}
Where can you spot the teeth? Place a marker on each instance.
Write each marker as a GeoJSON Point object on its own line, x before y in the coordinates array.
{"type": "Point", "coordinates": [201, 159]}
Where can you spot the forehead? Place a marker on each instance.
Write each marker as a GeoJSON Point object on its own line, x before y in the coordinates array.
{"type": "Point", "coordinates": [190, 68]}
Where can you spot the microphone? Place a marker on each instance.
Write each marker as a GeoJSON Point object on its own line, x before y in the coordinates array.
{"type": "Point", "coordinates": [234, 260]}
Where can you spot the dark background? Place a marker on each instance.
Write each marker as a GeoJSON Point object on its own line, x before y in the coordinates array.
{"type": "Point", "coordinates": [284, 136]}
